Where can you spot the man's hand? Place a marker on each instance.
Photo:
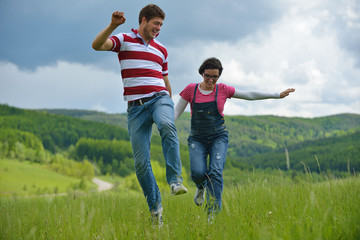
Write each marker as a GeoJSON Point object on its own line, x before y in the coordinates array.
{"type": "Point", "coordinates": [117, 18]}
{"type": "Point", "coordinates": [286, 92]}
{"type": "Point", "coordinates": [102, 41]}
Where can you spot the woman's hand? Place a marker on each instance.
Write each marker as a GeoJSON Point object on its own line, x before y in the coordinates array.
{"type": "Point", "coordinates": [286, 92]}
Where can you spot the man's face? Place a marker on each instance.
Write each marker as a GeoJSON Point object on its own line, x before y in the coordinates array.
{"type": "Point", "coordinates": [152, 28]}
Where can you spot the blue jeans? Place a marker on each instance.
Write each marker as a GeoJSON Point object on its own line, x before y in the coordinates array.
{"type": "Point", "coordinates": [209, 176]}
{"type": "Point", "coordinates": [160, 111]}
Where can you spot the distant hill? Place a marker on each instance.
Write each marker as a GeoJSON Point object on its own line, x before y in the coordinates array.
{"type": "Point", "coordinates": [113, 119]}
{"type": "Point", "coordinates": [339, 152]}
{"type": "Point", "coordinates": [27, 133]}
{"type": "Point", "coordinates": [255, 141]}
{"type": "Point", "coordinates": [250, 135]}
{"type": "Point", "coordinates": [57, 131]}
{"type": "Point", "coordinates": [261, 134]}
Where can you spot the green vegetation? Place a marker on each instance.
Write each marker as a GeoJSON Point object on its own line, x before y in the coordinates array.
{"type": "Point", "coordinates": [261, 134]}
{"type": "Point", "coordinates": [27, 178]}
{"type": "Point", "coordinates": [250, 135]}
{"type": "Point", "coordinates": [331, 154]}
{"type": "Point", "coordinates": [99, 145]}
{"type": "Point", "coordinates": [37, 136]}
{"type": "Point", "coordinates": [260, 141]}
{"type": "Point", "coordinates": [113, 156]}
{"type": "Point", "coordinates": [44, 153]}
{"type": "Point", "coordinates": [270, 207]}
{"type": "Point", "coordinates": [55, 131]}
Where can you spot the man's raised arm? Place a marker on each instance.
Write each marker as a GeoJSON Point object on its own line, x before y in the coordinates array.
{"type": "Point", "coordinates": [102, 41]}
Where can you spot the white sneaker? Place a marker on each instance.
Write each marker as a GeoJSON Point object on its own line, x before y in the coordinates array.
{"type": "Point", "coordinates": [156, 217]}
{"type": "Point", "coordinates": [177, 189]}
{"type": "Point", "coordinates": [199, 197]}
{"type": "Point", "coordinates": [211, 218]}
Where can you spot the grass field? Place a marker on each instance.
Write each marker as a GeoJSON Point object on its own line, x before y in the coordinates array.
{"type": "Point", "coordinates": [28, 179]}
{"type": "Point", "coordinates": [257, 209]}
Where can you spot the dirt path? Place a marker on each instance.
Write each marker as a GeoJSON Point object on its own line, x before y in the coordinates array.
{"type": "Point", "coordinates": [102, 185]}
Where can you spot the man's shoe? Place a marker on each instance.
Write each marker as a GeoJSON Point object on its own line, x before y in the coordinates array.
{"type": "Point", "coordinates": [199, 197]}
{"type": "Point", "coordinates": [177, 189]}
{"type": "Point", "coordinates": [156, 217]}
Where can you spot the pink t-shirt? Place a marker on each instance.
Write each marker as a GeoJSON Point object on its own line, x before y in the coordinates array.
{"type": "Point", "coordinates": [224, 92]}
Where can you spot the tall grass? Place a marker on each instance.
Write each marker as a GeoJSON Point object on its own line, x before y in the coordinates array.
{"type": "Point", "coordinates": [262, 209]}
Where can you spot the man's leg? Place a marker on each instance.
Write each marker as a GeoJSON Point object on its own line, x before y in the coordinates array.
{"type": "Point", "coordinates": [163, 116]}
{"type": "Point", "coordinates": [139, 128]}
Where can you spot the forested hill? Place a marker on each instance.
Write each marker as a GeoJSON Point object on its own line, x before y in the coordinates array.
{"type": "Point", "coordinates": [56, 131]}
{"type": "Point", "coordinates": [250, 135]}
{"type": "Point", "coordinates": [255, 141]}
{"type": "Point", "coordinates": [259, 134]}
{"type": "Point", "coordinates": [33, 134]}
{"type": "Point", "coordinates": [341, 153]}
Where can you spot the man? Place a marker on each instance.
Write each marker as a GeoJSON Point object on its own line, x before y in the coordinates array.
{"type": "Point", "coordinates": [147, 89]}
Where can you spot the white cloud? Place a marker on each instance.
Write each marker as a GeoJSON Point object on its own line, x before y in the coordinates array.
{"type": "Point", "coordinates": [307, 48]}
{"type": "Point", "coordinates": [64, 85]}
{"type": "Point", "coordinates": [300, 51]}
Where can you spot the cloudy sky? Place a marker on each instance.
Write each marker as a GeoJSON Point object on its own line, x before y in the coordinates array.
{"type": "Point", "coordinates": [46, 59]}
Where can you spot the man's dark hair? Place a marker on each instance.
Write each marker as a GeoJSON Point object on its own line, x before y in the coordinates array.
{"type": "Point", "coordinates": [151, 11]}
{"type": "Point", "coordinates": [211, 63]}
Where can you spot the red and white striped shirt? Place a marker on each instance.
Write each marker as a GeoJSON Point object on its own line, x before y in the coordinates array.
{"type": "Point", "coordinates": [142, 65]}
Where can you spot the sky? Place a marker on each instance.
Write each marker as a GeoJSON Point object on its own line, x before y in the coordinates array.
{"type": "Point", "coordinates": [46, 58]}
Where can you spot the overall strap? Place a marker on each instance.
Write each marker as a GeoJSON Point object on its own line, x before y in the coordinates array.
{"type": "Point", "coordinates": [193, 101]}
{"type": "Point", "coordinates": [216, 86]}
{"type": "Point", "coordinates": [195, 92]}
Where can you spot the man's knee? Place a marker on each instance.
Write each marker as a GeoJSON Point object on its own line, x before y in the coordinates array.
{"type": "Point", "coordinates": [166, 127]}
{"type": "Point", "coordinates": [141, 168]}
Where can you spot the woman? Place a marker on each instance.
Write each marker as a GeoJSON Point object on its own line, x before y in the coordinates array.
{"type": "Point", "coordinates": [208, 136]}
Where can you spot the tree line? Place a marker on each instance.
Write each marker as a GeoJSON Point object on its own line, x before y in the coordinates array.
{"type": "Point", "coordinates": [56, 131]}
{"type": "Point", "coordinates": [40, 136]}
{"type": "Point", "coordinates": [340, 153]}
{"type": "Point", "coordinates": [254, 141]}
{"type": "Point", "coordinates": [250, 135]}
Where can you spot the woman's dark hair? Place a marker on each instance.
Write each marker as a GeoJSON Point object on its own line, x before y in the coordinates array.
{"type": "Point", "coordinates": [211, 63]}
{"type": "Point", "coordinates": [151, 11]}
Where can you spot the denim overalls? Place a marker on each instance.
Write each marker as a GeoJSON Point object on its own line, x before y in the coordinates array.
{"type": "Point", "coordinates": [208, 137]}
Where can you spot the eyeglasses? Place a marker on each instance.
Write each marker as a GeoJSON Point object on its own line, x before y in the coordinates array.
{"type": "Point", "coordinates": [214, 77]}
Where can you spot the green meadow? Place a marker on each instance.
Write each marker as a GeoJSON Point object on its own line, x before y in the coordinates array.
{"type": "Point", "coordinates": [264, 205]}
{"type": "Point", "coordinates": [47, 162]}
{"type": "Point", "coordinates": [24, 178]}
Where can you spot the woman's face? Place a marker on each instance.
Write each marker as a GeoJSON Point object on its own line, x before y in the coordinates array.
{"type": "Point", "coordinates": [210, 77]}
